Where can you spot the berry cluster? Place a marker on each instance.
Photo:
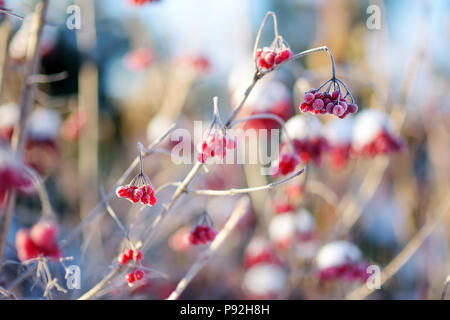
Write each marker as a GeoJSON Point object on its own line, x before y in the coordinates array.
{"type": "Point", "coordinates": [202, 234]}
{"type": "Point", "coordinates": [311, 149]}
{"type": "Point", "coordinates": [129, 255]}
{"type": "Point", "coordinates": [322, 102]}
{"type": "Point", "coordinates": [132, 255]}
{"type": "Point", "coordinates": [383, 143]}
{"type": "Point", "coordinates": [215, 145]}
{"type": "Point", "coordinates": [267, 58]}
{"type": "Point", "coordinates": [143, 192]}
{"type": "Point", "coordinates": [374, 134]}
{"type": "Point", "coordinates": [347, 271]}
{"type": "Point", "coordinates": [259, 251]}
{"type": "Point", "coordinates": [134, 276]}
{"type": "Point", "coordinates": [40, 240]}
{"type": "Point", "coordinates": [286, 164]}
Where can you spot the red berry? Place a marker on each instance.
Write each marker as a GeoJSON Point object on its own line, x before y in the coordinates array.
{"type": "Point", "coordinates": [137, 255]}
{"type": "Point", "coordinates": [26, 249]}
{"type": "Point", "coordinates": [43, 235]}
{"type": "Point", "coordinates": [309, 98]}
{"type": "Point", "coordinates": [130, 278]}
{"type": "Point", "coordinates": [123, 259]}
{"type": "Point", "coordinates": [139, 274]}
{"type": "Point", "coordinates": [318, 104]}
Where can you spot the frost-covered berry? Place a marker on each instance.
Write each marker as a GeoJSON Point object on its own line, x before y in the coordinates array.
{"type": "Point", "coordinates": [285, 164]}
{"type": "Point", "coordinates": [202, 234]}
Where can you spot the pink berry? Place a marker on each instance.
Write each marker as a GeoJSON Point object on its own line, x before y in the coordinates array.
{"type": "Point", "coordinates": [352, 108]}
{"type": "Point", "coordinates": [43, 235]}
{"type": "Point", "coordinates": [26, 249]}
{"type": "Point", "coordinates": [130, 278]}
{"type": "Point", "coordinates": [338, 110]}
{"type": "Point", "coordinates": [139, 274]}
{"type": "Point", "coordinates": [318, 104]}
{"type": "Point", "coordinates": [309, 98]}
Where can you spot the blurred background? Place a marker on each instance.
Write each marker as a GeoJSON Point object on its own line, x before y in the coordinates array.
{"type": "Point", "coordinates": [132, 70]}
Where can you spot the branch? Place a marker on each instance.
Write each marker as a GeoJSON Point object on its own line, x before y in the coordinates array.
{"type": "Point", "coordinates": [231, 192]}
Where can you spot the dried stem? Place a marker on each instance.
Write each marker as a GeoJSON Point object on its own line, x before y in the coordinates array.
{"type": "Point", "coordinates": [232, 192]}
{"type": "Point", "coordinates": [238, 213]}
{"type": "Point", "coordinates": [26, 104]}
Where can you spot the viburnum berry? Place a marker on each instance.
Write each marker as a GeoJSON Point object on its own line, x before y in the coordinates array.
{"type": "Point", "coordinates": [285, 164]}
{"type": "Point", "coordinates": [202, 234]}
{"type": "Point", "coordinates": [307, 138]}
{"type": "Point", "coordinates": [40, 240]}
{"type": "Point", "coordinates": [267, 58]}
{"type": "Point", "coordinates": [215, 145]}
{"type": "Point", "coordinates": [339, 134]}
{"type": "Point", "coordinates": [130, 278]}
{"type": "Point", "coordinates": [142, 192]}
{"type": "Point", "coordinates": [139, 274]}
{"type": "Point", "coordinates": [336, 103]}
{"type": "Point", "coordinates": [129, 255]}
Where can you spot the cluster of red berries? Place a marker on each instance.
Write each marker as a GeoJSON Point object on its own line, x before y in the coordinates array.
{"type": "Point", "coordinates": [145, 194]}
{"type": "Point", "coordinates": [347, 271]}
{"type": "Point", "coordinates": [267, 58]}
{"type": "Point", "coordinates": [40, 240]}
{"type": "Point", "coordinates": [202, 234]}
{"type": "Point", "coordinates": [129, 255]}
{"type": "Point", "coordinates": [383, 143]}
{"type": "Point", "coordinates": [340, 155]}
{"type": "Point", "coordinates": [132, 255]}
{"type": "Point", "coordinates": [215, 145]}
{"type": "Point", "coordinates": [134, 276]}
{"type": "Point", "coordinates": [322, 102]}
{"type": "Point", "coordinates": [12, 179]}
{"type": "Point", "coordinates": [311, 149]}
{"type": "Point", "coordinates": [260, 255]}
{"type": "Point", "coordinates": [286, 164]}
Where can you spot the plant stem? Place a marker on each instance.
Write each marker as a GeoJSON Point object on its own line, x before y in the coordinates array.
{"type": "Point", "coordinates": [26, 104]}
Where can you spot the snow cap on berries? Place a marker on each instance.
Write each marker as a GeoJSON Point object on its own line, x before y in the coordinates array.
{"type": "Point", "coordinates": [339, 132]}
{"type": "Point", "coordinates": [304, 222]}
{"type": "Point", "coordinates": [298, 127]}
{"type": "Point", "coordinates": [281, 228]}
{"type": "Point", "coordinates": [44, 124]}
{"type": "Point", "coordinates": [264, 281]}
{"type": "Point", "coordinates": [368, 124]}
{"type": "Point", "coordinates": [9, 115]}
{"type": "Point", "coordinates": [338, 253]}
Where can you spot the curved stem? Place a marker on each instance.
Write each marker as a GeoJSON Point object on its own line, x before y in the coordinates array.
{"type": "Point", "coordinates": [43, 194]}
{"type": "Point", "coordinates": [261, 28]}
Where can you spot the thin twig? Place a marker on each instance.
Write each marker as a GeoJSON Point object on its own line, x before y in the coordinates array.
{"type": "Point", "coordinates": [231, 192]}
